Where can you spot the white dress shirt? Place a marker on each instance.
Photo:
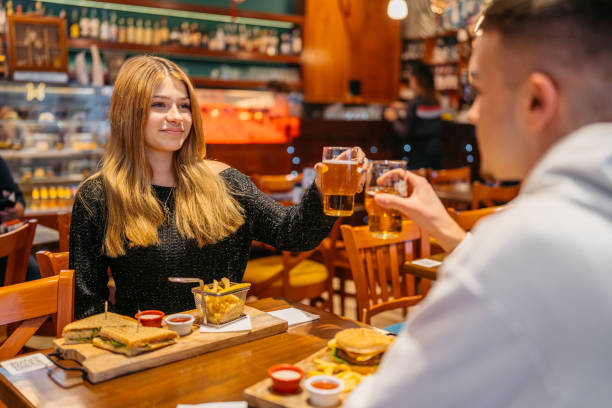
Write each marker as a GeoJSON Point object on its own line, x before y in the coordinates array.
{"type": "Point", "coordinates": [522, 314]}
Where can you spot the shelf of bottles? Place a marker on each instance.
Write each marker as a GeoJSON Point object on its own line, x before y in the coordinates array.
{"type": "Point", "coordinates": [135, 32]}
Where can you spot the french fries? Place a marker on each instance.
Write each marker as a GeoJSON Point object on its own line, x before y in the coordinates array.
{"type": "Point", "coordinates": [221, 309]}
{"type": "Point", "coordinates": [343, 371]}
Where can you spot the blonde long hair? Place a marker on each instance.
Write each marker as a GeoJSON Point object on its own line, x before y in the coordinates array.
{"type": "Point", "coordinates": [204, 209]}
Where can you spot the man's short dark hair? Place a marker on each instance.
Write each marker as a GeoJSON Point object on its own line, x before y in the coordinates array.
{"type": "Point", "coordinates": [587, 23]}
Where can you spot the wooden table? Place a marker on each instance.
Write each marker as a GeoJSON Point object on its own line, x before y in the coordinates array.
{"type": "Point", "coordinates": [217, 376]}
{"type": "Point", "coordinates": [45, 237]}
{"type": "Point", "coordinates": [423, 271]}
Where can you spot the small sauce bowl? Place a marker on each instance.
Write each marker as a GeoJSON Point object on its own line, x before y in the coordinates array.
{"type": "Point", "coordinates": [180, 323]}
{"type": "Point", "coordinates": [324, 390]}
{"type": "Point", "coordinates": [151, 318]}
{"type": "Point", "coordinates": [285, 378]}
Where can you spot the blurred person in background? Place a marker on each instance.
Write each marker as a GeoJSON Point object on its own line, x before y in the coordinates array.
{"type": "Point", "coordinates": [521, 315]}
{"type": "Point", "coordinates": [12, 207]}
{"type": "Point", "coordinates": [417, 123]}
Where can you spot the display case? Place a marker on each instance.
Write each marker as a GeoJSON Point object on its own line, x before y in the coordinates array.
{"type": "Point", "coordinates": [52, 137]}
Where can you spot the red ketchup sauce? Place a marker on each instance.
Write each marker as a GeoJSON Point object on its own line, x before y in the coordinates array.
{"type": "Point", "coordinates": [324, 385]}
{"type": "Point", "coordinates": [179, 319]}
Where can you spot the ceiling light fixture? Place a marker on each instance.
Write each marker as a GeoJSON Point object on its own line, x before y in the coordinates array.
{"type": "Point", "coordinates": [397, 9]}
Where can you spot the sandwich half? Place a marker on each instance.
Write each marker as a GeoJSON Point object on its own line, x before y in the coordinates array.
{"type": "Point", "coordinates": [132, 340]}
{"type": "Point", "coordinates": [84, 330]}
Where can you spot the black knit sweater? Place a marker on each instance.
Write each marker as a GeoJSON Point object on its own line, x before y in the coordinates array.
{"type": "Point", "coordinates": [141, 275]}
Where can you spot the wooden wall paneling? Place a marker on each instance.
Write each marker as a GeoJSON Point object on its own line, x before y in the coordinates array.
{"type": "Point", "coordinates": [326, 54]}
{"type": "Point", "coordinates": [252, 158]}
{"type": "Point", "coordinates": [375, 50]}
{"type": "Point", "coordinates": [350, 40]}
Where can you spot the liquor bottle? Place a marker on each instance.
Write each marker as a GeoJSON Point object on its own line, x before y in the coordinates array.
{"type": "Point", "coordinates": [195, 36]}
{"type": "Point", "coordinates": [130, 31]}
{"type": "Point", "coordinates": [94, 24]}
{"type": "Point", "coordinates": [9, 9]}
{"type": "Point", "coordinates": [157, 34]}
{"type": "Point", "coordinates": [75, 30]}
{"type": "Point", "coordinates": [104, 27]}
{"type": "Point", "coordinates": [220, 38]}
{"type": "Point", "coordinates": [148, 33]}
{"type": "Point", "coordinates": [272, 43]}
{"type": "Point", "coordinates": [164, 31]}
{"type": "Point", "coordinates": [19, 10]}
{"type": "Point", "coordinates": [174, 37]}
{"type": "Point", "coordinates": [139, 32]}
{"type": "Point", "coordinates": [242, 37]}
{"type": "Point", "coordinates": [205, 42]}
{"type": "Point", "coordinates": [184, 37]}
{"type": "Point", "coordinates": [84, 23]}
{"type": "Point", "coordinates": [249, 43]}
{"type": "Point", "coordinates": [296, 41]}
{"type": "Point", "coordinates": [2, 18]}
{"type": "Point", "coordinates": [113, 30]}
{"type": "Point", "coordinates": [39, 9]}
{"type": "Point", "coordinates": [285, 45]}
{"type": "Point", "coordinates": [121, 31]}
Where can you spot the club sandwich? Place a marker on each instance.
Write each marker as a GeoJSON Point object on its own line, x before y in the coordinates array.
{"type": "Point", "coordinates": [84, 330]}
{"type": "Point", "coordinates": [132, 340]}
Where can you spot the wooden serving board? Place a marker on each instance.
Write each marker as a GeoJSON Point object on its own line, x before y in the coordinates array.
{"type": "Point", "coordinates": [102, 365]}
{"type": "Point", "coordinates": [261, 395]}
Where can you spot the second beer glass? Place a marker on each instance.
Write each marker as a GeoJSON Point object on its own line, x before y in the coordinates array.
{"type": "Point", "coordinates": [340, 180]}
{"type": "Point", "coordinates": [384, 223]}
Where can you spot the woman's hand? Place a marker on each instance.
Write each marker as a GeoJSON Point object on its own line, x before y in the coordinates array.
{"type": "Point", "coordinates": [423, 206]}
{"type": "Point", "coordinates": [355, 152]}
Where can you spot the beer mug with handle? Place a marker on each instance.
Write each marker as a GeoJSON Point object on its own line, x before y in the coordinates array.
{"type": "Point", "coordinates": [340, 180]}
{"type": "Point", "coordinates": [384, 222]}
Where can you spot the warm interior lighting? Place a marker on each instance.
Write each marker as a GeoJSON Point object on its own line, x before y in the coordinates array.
{"type": "Point", "coordinates": [258, 116]}
{"type": "Point", "coordinates": [244, 116]}
{"type": "Point", "coordinates": [397, 9]}
{"type": "Point", "coordinates": [214, 113]}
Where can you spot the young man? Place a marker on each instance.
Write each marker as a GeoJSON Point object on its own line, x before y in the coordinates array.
{"type": "Point", "coordinates": [522, 315]}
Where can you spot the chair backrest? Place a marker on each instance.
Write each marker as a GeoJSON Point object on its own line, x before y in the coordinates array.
{"type": "Point", "coordinates": [31, 303]}
{"type": "Point", "coordinates": [16, 246]}
{"type": "Point", "coordinates": [492, 195]}
{"type": "Point", "coordinates": [377, 267]}
{"type": "Point", "coordinates": [63, 227]}
{"type": "Point", "coordinates": [467, 219]}
{"type": "Point", "coordinates": [449, 176]}
{"type": "Point", "coordinates": [275, 183]}
{"type": "Point", "coordinates": [50, 264]}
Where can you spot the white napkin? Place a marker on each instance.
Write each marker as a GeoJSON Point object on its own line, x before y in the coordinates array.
{"type": "Point", "coordinates": [233, 404]}
{"type": "Point", "coordinates": [294, 316]}
{"type": "Point", "coordinates": [240, 325]}
{"type": "Point", "coordinates": [26, 364]}
{"type": "Point", "coordinates": [428, 263]}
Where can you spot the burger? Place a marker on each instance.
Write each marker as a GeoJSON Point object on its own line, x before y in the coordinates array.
{"type": "Point", "coordinates": [359, 347]}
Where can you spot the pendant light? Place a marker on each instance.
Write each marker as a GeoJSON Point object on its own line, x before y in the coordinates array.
{"type": "Point", "coordinates": [397, 9]}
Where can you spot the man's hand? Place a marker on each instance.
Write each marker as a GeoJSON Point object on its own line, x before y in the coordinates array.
{"type": "Point", "coordinates": [424, 207]}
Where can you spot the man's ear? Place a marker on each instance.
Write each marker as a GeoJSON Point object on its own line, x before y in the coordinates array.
{"type": "Point", "coordinates": [542, 102]}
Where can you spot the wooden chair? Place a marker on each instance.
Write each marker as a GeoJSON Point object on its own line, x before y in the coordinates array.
{"type": "Point", "coordinates": [450, 176]}
{"type": "Point", "coordinates": [492, 195]}
{"type": "Point", "coordinates": [278, 186]}
{"type": "Point", "coordinates": [292, 275]}
{"type": "Point", "coordinates": [16, 246]}
{"type": "Point", "coordinates": [63, 227]}
{"type": "Point", "coordinates": [31, 303]}
{"type": "Point", "coordinates": [377, 268]}
{"type": "Point", "coordinates": [50, 264]}
{"type": "Point", "coordinates": [276, 183]}
{"type": "Point", "coordinates": [467, 219]}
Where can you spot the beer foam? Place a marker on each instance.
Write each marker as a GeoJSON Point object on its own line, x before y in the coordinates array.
{"type": "Point", "coordinates": [333, 161]}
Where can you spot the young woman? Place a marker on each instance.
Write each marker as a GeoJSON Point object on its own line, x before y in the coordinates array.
{"type": "Point", "coordinates": [157, 208]}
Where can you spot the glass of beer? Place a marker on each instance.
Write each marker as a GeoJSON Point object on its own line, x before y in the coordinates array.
{"type": "Point", "coordinates": [384, 223]}
{"type": "Point", "coordinates": [340, 180]}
